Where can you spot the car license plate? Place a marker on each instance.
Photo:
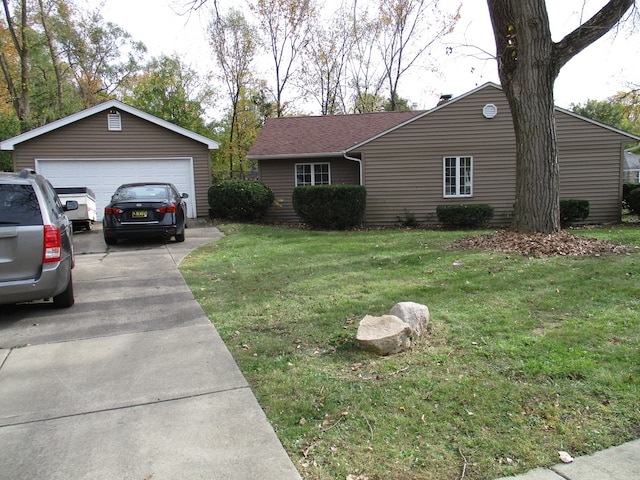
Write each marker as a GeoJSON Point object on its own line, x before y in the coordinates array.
{"type": "Point", "coordinates": [139, 214]}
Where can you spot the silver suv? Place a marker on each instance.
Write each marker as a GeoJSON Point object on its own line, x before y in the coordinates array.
{"type": "Point", "coordinates": [36, 244]}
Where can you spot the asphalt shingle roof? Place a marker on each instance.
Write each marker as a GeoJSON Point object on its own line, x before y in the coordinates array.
{"type": "Point", "coordinates": [323, 135]}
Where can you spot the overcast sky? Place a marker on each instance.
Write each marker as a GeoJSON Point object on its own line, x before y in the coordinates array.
{"type": "Point", "coordinates": [603, 69]}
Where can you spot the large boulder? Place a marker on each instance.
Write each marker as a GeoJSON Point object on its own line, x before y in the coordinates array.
{"type": "Point", "coordinates": [384, 335]}
{"type": "Point", "coordinates": [413, 314]}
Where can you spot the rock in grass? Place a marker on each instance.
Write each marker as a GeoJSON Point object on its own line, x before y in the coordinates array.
{"type": "Point", "coordinates": [384, 335]}
{"type": "Point", "coordinates": [414, 314]}
{"type": "Point", "coordinates": [565, 457]}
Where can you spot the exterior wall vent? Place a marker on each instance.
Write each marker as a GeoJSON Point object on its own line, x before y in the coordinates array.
{"type": "Point", "coordinates": [489, 110]}
{"type": "Point", "coordinates": [444, 99]}
{"type": "Point", "coordinates": [114, 122]}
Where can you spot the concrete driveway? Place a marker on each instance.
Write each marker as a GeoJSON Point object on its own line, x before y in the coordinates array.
{"type": "Point", "coordinates": [132, 382]}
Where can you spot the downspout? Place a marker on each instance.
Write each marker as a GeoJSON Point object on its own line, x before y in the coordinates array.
{"type": "Point", "coordinates": [347, 157]}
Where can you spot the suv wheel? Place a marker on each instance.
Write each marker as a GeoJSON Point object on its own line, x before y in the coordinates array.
{"type": "Point", "coordinates": [65, 299]}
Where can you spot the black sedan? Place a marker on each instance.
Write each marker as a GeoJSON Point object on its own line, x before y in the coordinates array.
{"type": "Point", "coordinates": [140, 210]}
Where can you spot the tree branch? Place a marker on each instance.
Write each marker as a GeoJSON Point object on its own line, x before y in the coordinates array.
{"type": "Point", "coordinates": [590, 31]}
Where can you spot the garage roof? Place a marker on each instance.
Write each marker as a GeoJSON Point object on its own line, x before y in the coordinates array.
{"type": "Point", "coordinates": [10, 143]}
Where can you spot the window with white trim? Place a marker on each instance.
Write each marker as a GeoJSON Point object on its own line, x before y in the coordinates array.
{"type": "Point", "coordinates": [312, 174]}
{"type": "Point", "coordinates": [458, 176]}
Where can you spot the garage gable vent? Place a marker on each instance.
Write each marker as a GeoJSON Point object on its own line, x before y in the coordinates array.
{"type": "Point", "coordinates": [114, 123]}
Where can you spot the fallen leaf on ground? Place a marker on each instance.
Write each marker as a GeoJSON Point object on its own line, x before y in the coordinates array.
{"type": "Point", "coordinates": [542, 245]}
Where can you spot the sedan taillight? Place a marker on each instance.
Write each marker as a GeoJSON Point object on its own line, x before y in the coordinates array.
{"type": "Point", "coordinates": [52, 244]}
{"type": "Point", "coordinates": [113, 211]}
{"type": "Point", "coordinates": [168, 209]}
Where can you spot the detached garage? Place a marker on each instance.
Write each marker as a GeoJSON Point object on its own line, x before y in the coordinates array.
{"type": "Point", "coordinates": [113, 143]}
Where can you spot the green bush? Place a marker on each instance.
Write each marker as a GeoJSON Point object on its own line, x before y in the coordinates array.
{"type": "Point", "coordinates": [627, 188]}
{"type": "Point", "coordinates": [572, 211]}
{"type": "Point", "coordinates": [239, 199]}
{"type": "Point", "coordinates": [634, 201]}
{"type": "Point", "coordinates": [409, 219]}
{"type": "Point", "coordinates": [6, 161]}
{"type": "Point", "coordinates": [333, 207]}
{"type": "Point", "coordinates": [465, 215]}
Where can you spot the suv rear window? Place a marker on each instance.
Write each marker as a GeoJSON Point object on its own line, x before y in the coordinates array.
{"type": "Point", "coordinates": [19, 205]}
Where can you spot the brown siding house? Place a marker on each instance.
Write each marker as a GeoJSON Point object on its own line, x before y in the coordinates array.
{"type": "Point", "coordinates": [113, 143]}
{"type": "Point", "coordinates": [462, 151]}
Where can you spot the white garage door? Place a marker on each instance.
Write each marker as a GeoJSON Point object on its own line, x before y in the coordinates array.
{"type": "Point", "coordinates": [103, 176]}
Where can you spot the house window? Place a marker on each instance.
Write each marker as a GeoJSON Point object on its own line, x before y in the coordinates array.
{"type": "Point", "coordinates": [458, 176]}
{"type": "Point", "coordinates": [312, 174]}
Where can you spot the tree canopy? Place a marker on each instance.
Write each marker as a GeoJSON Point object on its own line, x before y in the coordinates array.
{"type": "Point", "coordinates": [168, 89]}
{"type": "Point", "coordinates": [57, 59]}
{"type": "Point", "coordinates": [621, 111]}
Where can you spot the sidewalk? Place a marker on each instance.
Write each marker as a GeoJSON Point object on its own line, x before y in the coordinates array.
{"type": "Point", "coordinates": [133, 382]}
{"type": "Point", "coordinates": [617, 463]}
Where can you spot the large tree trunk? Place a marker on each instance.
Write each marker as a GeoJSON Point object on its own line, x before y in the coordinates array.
{"type": "Point", "coordinates": [528, 65]}
{"type": "Point", "coordinates": [537, 205]}
{"type": "Point", "coordinates": [527, 73]}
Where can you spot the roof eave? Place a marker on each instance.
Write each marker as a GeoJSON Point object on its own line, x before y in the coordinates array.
{"type": "Point", "coordinates": [599, 124]}
{"type": "Point", "coordinates": [10, 143]}
{"type": "Point", "coordinates": [424, 114]}
{"type": "Point", "coordinates": [294, 156]}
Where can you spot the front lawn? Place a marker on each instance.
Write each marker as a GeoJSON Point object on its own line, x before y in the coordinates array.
{"type": "Point", "coordinates": [524, 356]}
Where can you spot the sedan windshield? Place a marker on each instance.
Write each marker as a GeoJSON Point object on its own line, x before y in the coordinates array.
{"type": "Point", "coordinates": [142, 192]}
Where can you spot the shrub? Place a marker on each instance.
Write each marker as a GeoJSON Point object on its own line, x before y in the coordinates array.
{"type": "Point", "coordinates": [465, 215]}
{"type": "Point", "coordinates": [239, 199]}
{"type": "Point", "coordinates": [572, 211]}
{"type": "Point", "coordinates": [330, 206]}
{"type": "Point", "coordinates": [627, 188]}
{"type": "Point", "coordinates": [408, 219]}
{"type": "Point", "coordinates": [634, 201]}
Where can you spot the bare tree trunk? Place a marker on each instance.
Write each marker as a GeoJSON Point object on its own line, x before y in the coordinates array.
{"type": "Point", "coordinates": [11, 87]}
{"type": "Point", "coordinates": [19, 90]}
{"type": "Point", "coordinates": [24, 72]}
{"type": "Point", "coordinates": [232, 129]}
{"type": "Point", "coordinates": [286, 26]}
{"type": "Point", "coordinates": [54, 57]}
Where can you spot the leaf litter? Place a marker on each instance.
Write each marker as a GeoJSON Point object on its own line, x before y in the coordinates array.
{"type": "Point", "coordinates": [542, 245]}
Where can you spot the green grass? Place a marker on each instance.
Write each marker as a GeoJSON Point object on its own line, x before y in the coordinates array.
{"type": "Point", "coordinates": [523, 356]}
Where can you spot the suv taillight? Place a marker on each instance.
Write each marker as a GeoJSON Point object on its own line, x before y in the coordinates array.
{"type": "Point", "coordinates": [52, 244]}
